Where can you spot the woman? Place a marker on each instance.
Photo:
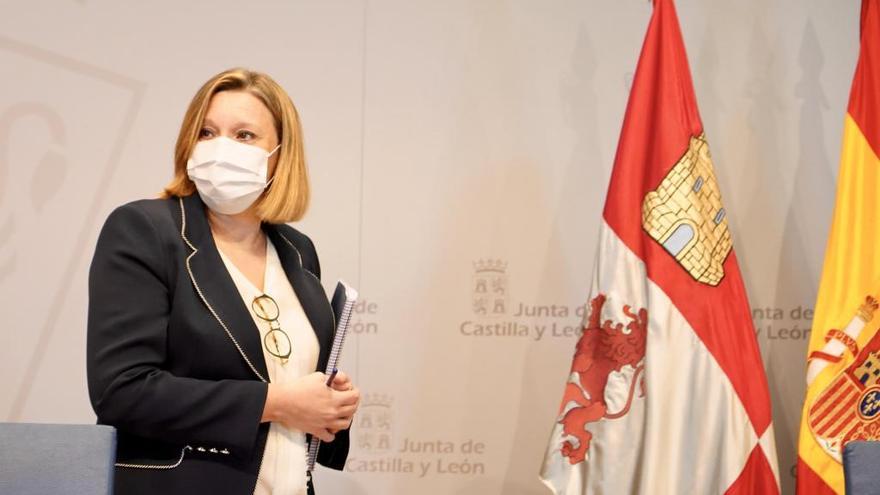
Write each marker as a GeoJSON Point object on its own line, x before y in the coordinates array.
{"type": "Point", "coordinates": [207, 319]}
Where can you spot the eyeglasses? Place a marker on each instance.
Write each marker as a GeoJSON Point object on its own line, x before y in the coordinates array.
{"type": "Point", "coordinates": [276, 341]}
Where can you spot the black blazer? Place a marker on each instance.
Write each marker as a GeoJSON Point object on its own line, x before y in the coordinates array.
{"type": "Point", "coordinates": [174, 359]}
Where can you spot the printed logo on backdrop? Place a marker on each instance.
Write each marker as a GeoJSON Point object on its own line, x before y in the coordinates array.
{"type": "Point", "coordinates": [63, 124]}
{"type": "Point", "coordinates": [495, 313]}
{"type": "Point", "coordinates": [365, 319]}
{"type": "Point", "coordinates": [783, 323]}
{"type": "Point", "coordinates": [490, 288]}
{"type": "Point", "coordinates": [377, 449]}
{"type": "Point", "coordinates": [373, 429]}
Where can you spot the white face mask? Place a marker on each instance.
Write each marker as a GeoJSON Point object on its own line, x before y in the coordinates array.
{"type": "Point", "coordinates": [229, 175]}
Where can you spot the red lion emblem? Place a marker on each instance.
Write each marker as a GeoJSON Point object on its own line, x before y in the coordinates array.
{"type": "Point", "coordinates": [601, 349]}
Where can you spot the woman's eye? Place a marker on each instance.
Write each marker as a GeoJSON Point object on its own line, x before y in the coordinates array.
{"type": "Point", "coordinates": [245, 135]}
{"type": "Point", "coordinates": [206, 134]}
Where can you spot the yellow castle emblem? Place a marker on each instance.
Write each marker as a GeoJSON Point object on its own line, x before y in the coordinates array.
{"type": "Point", "coordinates": [684, 214]}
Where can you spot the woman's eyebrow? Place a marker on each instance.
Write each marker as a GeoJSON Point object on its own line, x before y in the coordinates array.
{"type": "Point", "coordinates": [236, 125]}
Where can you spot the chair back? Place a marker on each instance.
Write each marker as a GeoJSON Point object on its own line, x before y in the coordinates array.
{"type": "Point", "coordinates": [52, 459]}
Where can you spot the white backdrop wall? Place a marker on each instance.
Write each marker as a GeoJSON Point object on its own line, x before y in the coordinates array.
{"type": "Point", "coordinates": [443, 137]}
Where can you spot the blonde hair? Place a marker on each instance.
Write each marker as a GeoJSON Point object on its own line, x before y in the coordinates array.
{"type": "Point", "coordinates": [287, 198]}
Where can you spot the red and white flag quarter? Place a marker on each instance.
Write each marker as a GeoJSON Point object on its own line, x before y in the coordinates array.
{"type": "Point", "coordinates": [667, 392]}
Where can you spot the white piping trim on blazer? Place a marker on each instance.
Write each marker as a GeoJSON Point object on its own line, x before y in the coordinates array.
{"type": "Point", "coordinates": [299, 256]}
{"type": "Point", "coordinates": [202, 296]}
{"type": "Point", "coordinates": [155, 466]}
{"type": "Point", "coordinates": [228, 333]}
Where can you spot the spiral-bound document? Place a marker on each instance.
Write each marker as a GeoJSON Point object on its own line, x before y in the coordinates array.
{"type": "Point", "coordinates": [344, 298]}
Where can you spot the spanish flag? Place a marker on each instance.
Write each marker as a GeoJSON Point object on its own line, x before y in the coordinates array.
{"type": "Point", "coordinates": [845, 344]}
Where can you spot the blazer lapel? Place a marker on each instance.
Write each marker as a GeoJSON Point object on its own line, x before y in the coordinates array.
{"type": "Point", "coordinates": [215, 287]}
{"type": "Point", "coordinates": [308, 290]}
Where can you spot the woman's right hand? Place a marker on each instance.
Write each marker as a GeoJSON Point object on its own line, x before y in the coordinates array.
{"type": "Point", "coordinates": [309, 405]}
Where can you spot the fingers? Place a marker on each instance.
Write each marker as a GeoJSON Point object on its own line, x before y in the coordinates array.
{"type": "Point", "coordinates": [325, 435]}
{"type": "Point", "coordinates": [336, 413]}
{"type": "Point", "coordinates": [328, 409]}
{"type": "Point", "coordinates": [341, 382]}
{"type": "Point", "coordinates": [332, 426]}
{"type": "Point", "coordinates": [340, 424]}
{"type": "Point", "coordinates": [346, 412]}
{"type": "Point", "coordinates": [347, 397]}
{"type": "Point", "coordinates": [308, 405]}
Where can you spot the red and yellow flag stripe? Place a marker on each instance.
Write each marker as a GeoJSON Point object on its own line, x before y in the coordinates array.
{"type": "Point", "coordinates": [852, 258]}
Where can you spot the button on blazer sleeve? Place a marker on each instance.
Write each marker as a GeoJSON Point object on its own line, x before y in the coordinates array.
{"type": "Point", "coordinates": [129, 306]}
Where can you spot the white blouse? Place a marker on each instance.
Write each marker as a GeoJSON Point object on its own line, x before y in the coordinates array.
{"type": "Point", "coordinates": [283, 471]}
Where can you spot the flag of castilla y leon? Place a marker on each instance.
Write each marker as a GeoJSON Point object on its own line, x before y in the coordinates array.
{"type": "Point", "coordinates": [667, 392]}
{"type": "Point", "coordinates": [843, 385]}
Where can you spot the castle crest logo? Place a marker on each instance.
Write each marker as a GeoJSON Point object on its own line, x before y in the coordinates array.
{"type": "Point", "coordinates": [374, 432]}
{"type": "Point", "coordinates": [490, 289]}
